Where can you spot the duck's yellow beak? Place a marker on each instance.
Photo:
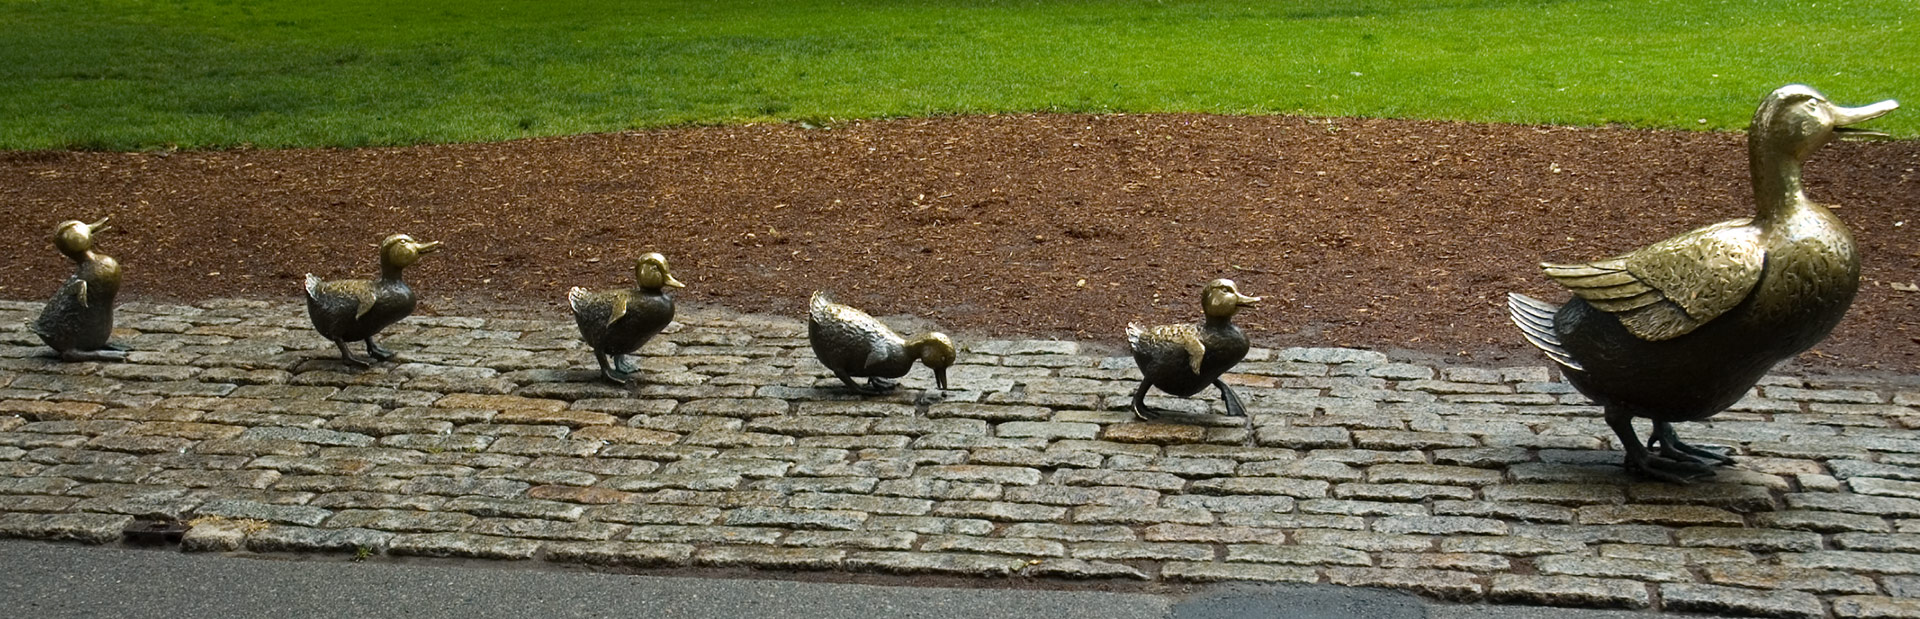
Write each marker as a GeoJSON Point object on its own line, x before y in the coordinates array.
{"type": "Point", "coordinates": [98, 226]}
{"type": "Point", "coordinates": [673, 283]}
{"type": "Point", "coordinates": [1245, 301]}
{"type": "Point", "coordinates": [1844, 116]}
{"type": "Point", "coordinates": [427, 248]}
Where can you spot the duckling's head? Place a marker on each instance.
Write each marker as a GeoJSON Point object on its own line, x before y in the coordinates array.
{"type": "Point", "coordinates": [1222, 299]}
{"type": "Point", "coordinates": [1796, 120]}
{"type": "Point", "coordinates": [651, 270]}
{"type": "Point", "coordinates": [401, 251]}
{"type": "Point", "coordinates": [936, 350]}
{"type": "Point", "coordinates": [75, 238]}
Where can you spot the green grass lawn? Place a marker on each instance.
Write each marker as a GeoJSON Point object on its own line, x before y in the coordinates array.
{"type": "Point", "coordinates": [124, 74]}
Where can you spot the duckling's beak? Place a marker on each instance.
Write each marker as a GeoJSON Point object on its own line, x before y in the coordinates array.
{"type": "Point", "coordinates": [1844, 116]}
{"type": "Point", "coordinates": [940, 378]}
{"type": "Point", "coordinates": [427, 248]}
{"type": "Point", "coordinates": [1242, 300]}
{"type": "Point", "coordinates": [674, 283]}
{"type": "Point", "coordinates": [99, 226]}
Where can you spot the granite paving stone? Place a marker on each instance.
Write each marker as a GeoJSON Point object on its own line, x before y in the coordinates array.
{"type": "Point", "coordinates": [1193, 571]}
{"type": "Point", "coordinates": [619, 554]}
{"type": "Point", "coordinates": [1876, 607]}
{"type": "Point", "coordinates": [465, 545]}
{"type": "Point", "coordinates": [1741, 602]}
{"type": "Point", "coordinates": [1451, 480]}
{"type": "Point", "coordinates": [759, 557]}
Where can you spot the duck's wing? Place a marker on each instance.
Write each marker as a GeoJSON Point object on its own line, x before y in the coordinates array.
{"type": "Point", "coordinates": [1535, 319]}
{"type": "Point", "coordinates": [1670, 288]}
{"type": "Point", "coordinates": [580, 298]}
{"type": "Point", "coordinates": [1164, 341]}
{"type": "Point", "coordinates": [77, 288]}
{"type": "Point", "coordinates": [361, 291]}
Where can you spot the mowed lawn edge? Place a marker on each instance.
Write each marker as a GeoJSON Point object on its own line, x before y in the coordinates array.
{"type": "Point", "coordinates": [133, 75]}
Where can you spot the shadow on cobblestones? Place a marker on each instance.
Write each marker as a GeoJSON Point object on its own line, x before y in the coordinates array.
{"type": "Point", "coordinates": [490, 440]}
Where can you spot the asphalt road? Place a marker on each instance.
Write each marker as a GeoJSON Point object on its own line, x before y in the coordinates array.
{"type": "Point", "coordinates": [45, 580]}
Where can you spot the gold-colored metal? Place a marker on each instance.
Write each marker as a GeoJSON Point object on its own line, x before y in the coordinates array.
{"type": "Point", "coordinates": [615, 323]}
{"type": "Point", "coordinates": [1681, 329]}
{"type": "Point", "coordinates": [1184, 359]}
{"type": "Point", "coordinates": [854, 344]}
{"type": "Point", "coordinates": [354, 310]}
{"type": "Point", "coordinates": [79, 318]}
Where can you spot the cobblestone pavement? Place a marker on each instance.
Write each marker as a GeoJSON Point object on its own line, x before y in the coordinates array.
{"type": "Point", "coordinates": [491, 440]}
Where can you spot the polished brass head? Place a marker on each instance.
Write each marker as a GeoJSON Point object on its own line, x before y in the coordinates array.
{"type": "Point", "coordinates": [652, 272]}
{"type": "Point", "coordinates": [1796, 120]}
{"type": "Point", "coordinates": [936, 350]}
{"type": "Point", "coordinates": [1222, 299]}
{"type": "Point", "coordinates": [401, 251]}
{"type": "Point", "coordinates": [75, 238]}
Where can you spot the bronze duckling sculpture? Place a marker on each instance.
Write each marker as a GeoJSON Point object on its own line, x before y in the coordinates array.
{"type": "Point", "coordinates": [1184, 359]}
{"type": "Point", "coordinates": [1681, 329]}
{"type": "Point", "coordinates": [852, 343]}
{"type": "Point", "coordinates": [617, 322]}
{"type": "Point", "coordinates": [79, 318]}
{"type": "Point", "coordinates": [354, 310]}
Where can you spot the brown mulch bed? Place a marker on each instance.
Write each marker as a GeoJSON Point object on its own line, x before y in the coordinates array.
{"type": "Point", "coordinates": [1386, 234]}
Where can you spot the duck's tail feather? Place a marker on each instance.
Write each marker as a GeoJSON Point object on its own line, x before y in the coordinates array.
{"type": "Point", "coordinates": [820, 305]}
{"type": "Point", "coordinates": [578, 296]}
{"type": "Point", "coordinates": [313, 285]}
{"type": "Point", "coordinates": [1535, 319]}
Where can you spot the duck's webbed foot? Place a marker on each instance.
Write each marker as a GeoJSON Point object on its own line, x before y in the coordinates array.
{"type": "Point", "coordinates": [625, 365]}
{"type": "Point", "coordinates": [1642, 463]}
{"type": "Point", "coordinates": [877, 384]}
{"type": "Point", "coordinates": [104, 354]}
{"type": "Point", "coordinates": [1231, 399]}
{"type": "Point", "coordinates": [346, 356]}
{"type": "Point", "coordinates": [1671, 471]}
{"type": "Point", "coordinates": [613, 372]}
{"type": "Point", "coordinates": [1140, 408]}
{"type": "Point", "coordinates": [377, 352]}
{"type": "Point", "coordinates": [1670, 447]}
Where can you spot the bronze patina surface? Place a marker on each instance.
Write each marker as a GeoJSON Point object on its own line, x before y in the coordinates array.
{"type": "Point", "coordinates": [614, 323]}
{"type": "Point", "coordinates": [1183, 359]}
{"type": "Point", "coordinates": [79, 318]}
{"type": "Point", "coordinates": [354, 310]}
{"type": "Point", "coordinates": [1681, 329]}
{"type": "Point", "coordinates": [854, 344]}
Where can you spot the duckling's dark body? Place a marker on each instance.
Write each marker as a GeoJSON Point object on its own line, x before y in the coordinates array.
{"type": "Point", "coordinates": [615, 323]}
{"type": "Point", "coordinates": [1185, 359]}
{"type": "Point", "coordinates": [1683, 328]}
{"type": "Point", "coordinates": [355, 310]}
{"type": "Point", "coordinates": [335, 307]}
{"type": "Point", "coordinates": [79, 318]}
{"type": "Point", "coordinates": [648, 312]}
{"type": "Point", "coordinates": [853, 344]}
{"type": "Point", "coordinates": [1167, 365]}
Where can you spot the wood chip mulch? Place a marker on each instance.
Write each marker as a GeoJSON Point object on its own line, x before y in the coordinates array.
{"type": "Point", "coordinates": [1387, 234]}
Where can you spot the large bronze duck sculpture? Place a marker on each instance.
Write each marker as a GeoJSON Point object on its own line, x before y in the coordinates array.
{"type": "Point", "coordinates": [79, 318]}
{"type": "Point", "coordinates": [1184, 359]}
{"type": "Point", "coordinates": [854, 344]}
{"type": "Point", "coordinates": [617, 322]}
{"type": "Point", "coordinates": [1681, 329]}
{"type": "Point", "coordinates": [354, 310]}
